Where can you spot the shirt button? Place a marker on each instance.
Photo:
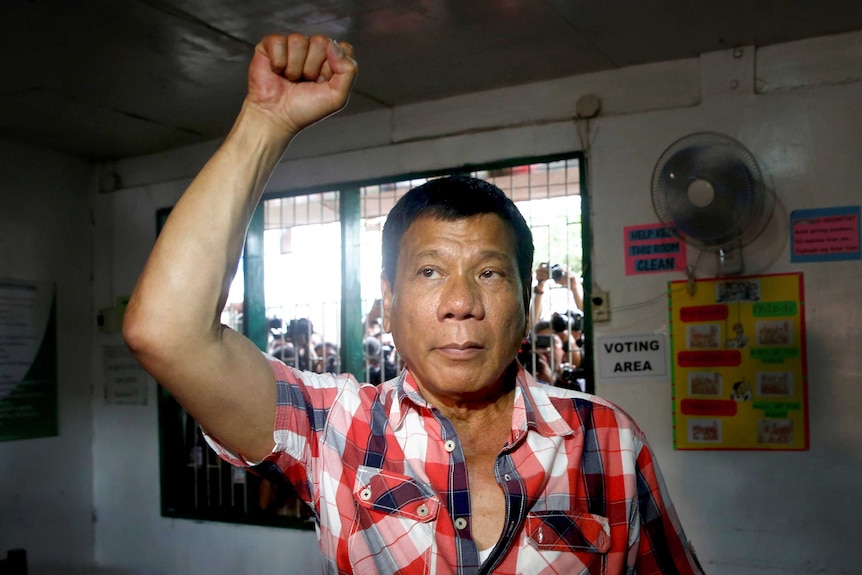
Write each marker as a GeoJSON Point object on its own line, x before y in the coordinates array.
{"type": "Point", "coordinates": [460, 523]}
{"type": "Point", "coordinates": [507, 477]}
{"type": "Point", "coordinates": [422, 510]}
{"type": "Point", "coordinates": [449, 445]}
{"type": "Point", "coordinates": [365, 494]}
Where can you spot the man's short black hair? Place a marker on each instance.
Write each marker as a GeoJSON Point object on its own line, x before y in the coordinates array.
{"type": "Point", "coordinates": [454, 198]}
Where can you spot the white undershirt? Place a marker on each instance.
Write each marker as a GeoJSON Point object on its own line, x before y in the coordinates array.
{"type": "Point", "coordinates": [483, 554]}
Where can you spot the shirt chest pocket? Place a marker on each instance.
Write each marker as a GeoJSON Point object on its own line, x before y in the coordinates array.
{"type": "Point", "coordinates": [391, 508]}
{"type": "Point", "coordinates": [566, 538]}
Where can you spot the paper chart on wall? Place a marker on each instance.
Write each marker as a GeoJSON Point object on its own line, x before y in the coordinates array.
{"type": "Point", "coordinates": [28, 360]}
{"type": "Point", "coordinates": [739, 363]}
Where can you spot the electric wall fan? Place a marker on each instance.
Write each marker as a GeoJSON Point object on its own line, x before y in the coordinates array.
{"type": "Point", "coordinates": [708, 189]}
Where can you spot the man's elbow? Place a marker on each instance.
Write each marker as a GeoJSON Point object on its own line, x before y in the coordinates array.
{"type": "Point", "coordinates": [142, 334]}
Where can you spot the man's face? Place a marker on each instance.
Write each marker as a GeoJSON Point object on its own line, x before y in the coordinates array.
{"type": "Point", "coordinates": [456, 311]}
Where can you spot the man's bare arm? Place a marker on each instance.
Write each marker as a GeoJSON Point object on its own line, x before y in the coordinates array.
{"type": "Point", "coordinates": [172, 322]}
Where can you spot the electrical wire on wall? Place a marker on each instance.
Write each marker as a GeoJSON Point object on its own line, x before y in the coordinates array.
{"type": "Point", "coordinates": [587, 107]}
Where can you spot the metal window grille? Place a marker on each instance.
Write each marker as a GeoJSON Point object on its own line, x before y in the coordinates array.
{"type": "Point", "coordinates": [302, 275]}
{"type": "Point", "coordinates": [548, 194]}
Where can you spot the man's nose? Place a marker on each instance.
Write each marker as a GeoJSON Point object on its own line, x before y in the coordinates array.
{"type": "Point", "coordinates": [461, 299]}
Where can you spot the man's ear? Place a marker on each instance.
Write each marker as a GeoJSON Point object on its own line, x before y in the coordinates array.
{"type": "Point", "coordinates": [386, 289]}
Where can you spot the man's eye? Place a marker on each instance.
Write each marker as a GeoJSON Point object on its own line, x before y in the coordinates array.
{"type": "Point", "coordinates": [427, 272]}
{"type": "Point", "coordinates": [490, 274]}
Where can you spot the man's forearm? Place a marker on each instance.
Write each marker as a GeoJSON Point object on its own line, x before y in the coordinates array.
{"type": "Point", "coordinates": [186, 280]}
{"type": "Point", "coordinates": [172, 321]}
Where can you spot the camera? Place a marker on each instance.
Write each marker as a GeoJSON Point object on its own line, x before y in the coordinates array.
{"type": "Point", "coordinates": [543, 342]}
{"type": "Point", "coordinates": [570, 378]}
{"type": "Point", "coordinates": [568, 374]}
{"type": "Point", "coordinates": [567, 322]}
{"type": "Point", "coordinates": [558, 272]}
{"type": "Point", "coordinates": [528, 354]}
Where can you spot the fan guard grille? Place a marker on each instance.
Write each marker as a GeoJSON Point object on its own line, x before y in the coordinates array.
{"type": "Point", "coordinates": [738, 208]}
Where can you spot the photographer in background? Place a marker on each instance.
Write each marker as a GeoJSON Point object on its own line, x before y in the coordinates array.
{"type": "Point", "coordinates": [562, 276]}
{"type": "Point", "coordinates": [279, 345]}
{"type": "Point", "coordinates": [552, 352]}
{"type": "Point", "coordinates": [379, 366]}
{"type": "Point", "coordinates": [299, 334]}
{"type": "Point", "coordinates": [566, 322]}
{"type": "Point", "coordinates": [542, 355]}
{"type": "Point", "coordinates": [569, 326]}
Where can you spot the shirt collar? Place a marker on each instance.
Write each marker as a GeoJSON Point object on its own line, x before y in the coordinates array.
{"type": "Point", "coordinates": [532, 408]}
{"type": "Point", "coordinates": [397, 395]}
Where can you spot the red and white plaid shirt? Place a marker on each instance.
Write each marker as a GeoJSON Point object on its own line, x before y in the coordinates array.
{"type": "Point", "coordinates": [385, 475]}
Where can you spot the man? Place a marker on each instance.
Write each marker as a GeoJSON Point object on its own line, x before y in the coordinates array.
{"type": "Point", "coordinates": [463, 464]}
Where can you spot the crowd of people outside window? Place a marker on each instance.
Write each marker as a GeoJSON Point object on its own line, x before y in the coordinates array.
{"type": "Point", "coordinates": [297, 344]}
{"type": "Point", "coordinates": [553, 351]}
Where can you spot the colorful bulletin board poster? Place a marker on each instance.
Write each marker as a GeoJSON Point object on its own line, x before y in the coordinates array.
{"type": "Point", "coordinates": [28, 360]}
{"type": "Point", "coordinates": [738, 363]}
{"type": "Point", "coordinates": [652, 248]}
{"type": "Point", "coordinates": [825, 235]}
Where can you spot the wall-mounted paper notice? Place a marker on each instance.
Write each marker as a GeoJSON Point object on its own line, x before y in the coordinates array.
{"type": "Point", "coordinates": [825, 235]}
{"type": "Point", "coordinates": [126, 382]}
{"type": "Point", "coordinates": [653, 248]}
{"type": "Point", "coordinates": [28, 360]}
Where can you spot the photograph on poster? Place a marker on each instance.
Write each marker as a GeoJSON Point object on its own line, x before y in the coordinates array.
{"type": "Point", "coordinates": [703, 336]}
{"type": "Point", "coordinates": [774, 333]}
{"type": "Point", "coordinates": [704, 430]}
{"type": "Point", "coordinates": [779, 384]}
{"type": "Point", "coordinates": [777, 431]}
{"type": "Point", "coordinates": [737, 290]}
{"type": "Point", "coordinates": [705, 383]}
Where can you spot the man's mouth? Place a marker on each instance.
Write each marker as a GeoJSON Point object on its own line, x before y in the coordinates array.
{"type": "Point", "coordinates": [460, 350]}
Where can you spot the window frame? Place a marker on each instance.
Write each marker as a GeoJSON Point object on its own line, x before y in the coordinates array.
{"type": "Point", "coordinates": [255, 325]}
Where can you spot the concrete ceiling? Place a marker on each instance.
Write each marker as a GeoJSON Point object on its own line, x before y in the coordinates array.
{"type": "Point", "coordinates": [106, 79]}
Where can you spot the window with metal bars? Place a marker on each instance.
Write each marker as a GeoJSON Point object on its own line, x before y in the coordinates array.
{"type": "Point", "coordinates": [319, 293]}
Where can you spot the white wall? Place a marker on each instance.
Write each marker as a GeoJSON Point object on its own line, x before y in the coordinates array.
{"type": "Point", "coordinates": [755, 512]}
{"type": "Point", "coordinates": [749, 513]}
{"type": "Point", "coordinates": [46, 484]}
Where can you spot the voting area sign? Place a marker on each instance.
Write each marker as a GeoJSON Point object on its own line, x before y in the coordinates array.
{"type": "Point", "coordinates": [633, 357]}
